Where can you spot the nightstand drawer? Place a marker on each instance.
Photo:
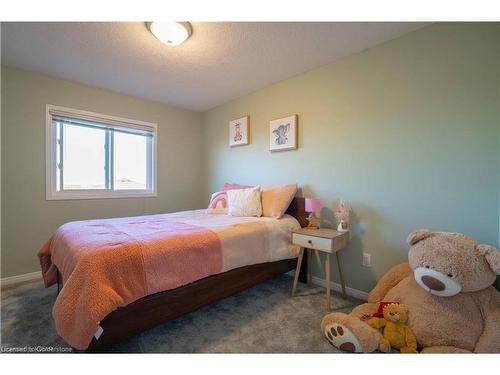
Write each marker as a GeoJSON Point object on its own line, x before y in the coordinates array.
{"type": "Point", "coordinates": [312, 242]}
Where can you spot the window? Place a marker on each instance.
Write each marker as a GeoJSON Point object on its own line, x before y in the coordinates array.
{"type": "Point", "coordinates": [90, 155]}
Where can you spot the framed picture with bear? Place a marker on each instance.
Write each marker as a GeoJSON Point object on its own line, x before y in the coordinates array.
{"type": "Point", "coordinates": [239, 131]}
{"type": "Point", "coordinates": [283, 133]}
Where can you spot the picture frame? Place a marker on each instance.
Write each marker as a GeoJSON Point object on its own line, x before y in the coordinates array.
{"type": "Point", "coordinates": [283, 133]}
{"type": "Point", "coordinates": [239, 131]}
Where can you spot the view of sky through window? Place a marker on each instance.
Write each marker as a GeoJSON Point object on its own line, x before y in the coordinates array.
{"type": "Point", "coordinates": [84, 159]}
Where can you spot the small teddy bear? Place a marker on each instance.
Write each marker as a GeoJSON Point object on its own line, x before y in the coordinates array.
{"type": "Point", "coordinates": [396, 333]}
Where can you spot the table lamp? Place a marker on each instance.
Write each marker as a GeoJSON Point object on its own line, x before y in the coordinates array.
{"type": "Point", "coordinates": [313, 206]}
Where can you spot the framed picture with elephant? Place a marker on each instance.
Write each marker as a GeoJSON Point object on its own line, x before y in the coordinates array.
{"type": "Point", "coordinates": [283, 133]}
{"type": "Point", "coordinates": [440, 301]}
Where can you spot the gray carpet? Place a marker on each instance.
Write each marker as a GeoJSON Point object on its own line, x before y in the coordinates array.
{"type": "Point", "coordinates": [262, 319]}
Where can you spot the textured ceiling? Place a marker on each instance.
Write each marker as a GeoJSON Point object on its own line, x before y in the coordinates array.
{"type": "Point", "coordinates": [219, 62]}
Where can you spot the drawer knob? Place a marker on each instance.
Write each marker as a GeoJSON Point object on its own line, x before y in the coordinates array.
{"type": "Point", "coordinates": [309, 242]}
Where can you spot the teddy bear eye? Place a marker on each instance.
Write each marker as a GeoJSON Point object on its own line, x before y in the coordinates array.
{"type": "Point", "coordinates": [427, 267]}
{"type": "Point", "coordinates": [450, 275]}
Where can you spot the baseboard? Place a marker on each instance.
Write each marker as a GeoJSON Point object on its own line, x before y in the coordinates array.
{"type": "Point", "coordinates": [356, 293]}
{"type": "Point", "coordinates": [19, 279]}
{"type": "Point", "coordinates": [336, 287]}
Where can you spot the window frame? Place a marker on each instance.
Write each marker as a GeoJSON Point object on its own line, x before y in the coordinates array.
{"type": "Point", "coordinates": [51, 169]}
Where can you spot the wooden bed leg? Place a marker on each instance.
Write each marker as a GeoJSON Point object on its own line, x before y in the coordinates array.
{"type": "Point", "coordinates": [303, 268]}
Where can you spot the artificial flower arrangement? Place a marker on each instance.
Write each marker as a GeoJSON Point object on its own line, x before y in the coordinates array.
{"type": "Point", "coordinates": [342, 215]}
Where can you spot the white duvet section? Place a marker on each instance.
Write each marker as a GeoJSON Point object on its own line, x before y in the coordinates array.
{"type": "Point", "coordinates": [247, 240]}
{"type": "Point", "coordinates": [280, 237]}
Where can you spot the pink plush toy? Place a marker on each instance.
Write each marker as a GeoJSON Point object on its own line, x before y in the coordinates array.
{"type": "Point", "coordinates": [452, 306]}
{"type": "Point", "coordinates": [342, 215]}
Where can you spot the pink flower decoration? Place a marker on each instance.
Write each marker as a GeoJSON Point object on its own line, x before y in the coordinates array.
{"type": "Point", "coordinates": [342, 212]}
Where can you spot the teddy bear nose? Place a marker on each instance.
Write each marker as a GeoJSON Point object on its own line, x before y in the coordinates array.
{"type": "Point", "coordinates": [433, 283]}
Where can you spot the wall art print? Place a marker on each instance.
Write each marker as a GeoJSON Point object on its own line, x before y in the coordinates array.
{"type": "Point", "coordinates": [283, 133]}
{"type": "Point", "coordinates": [239, 131]}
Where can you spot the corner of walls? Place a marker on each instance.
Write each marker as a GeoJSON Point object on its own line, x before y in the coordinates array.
{"type": "Point", "coordinates": [200, 172]}
{"type": "Point", "coordinates": [205, 157]}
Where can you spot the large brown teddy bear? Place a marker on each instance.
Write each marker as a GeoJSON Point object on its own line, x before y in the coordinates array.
{"type": "Point", "coordinates": [452, 306]}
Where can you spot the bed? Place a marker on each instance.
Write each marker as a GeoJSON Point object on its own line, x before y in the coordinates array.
{"type": "Point", "coordinates": [123, 276]}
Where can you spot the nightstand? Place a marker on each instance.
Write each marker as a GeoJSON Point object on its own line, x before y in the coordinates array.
{"type": "Point", "coordinates": [328, 241]}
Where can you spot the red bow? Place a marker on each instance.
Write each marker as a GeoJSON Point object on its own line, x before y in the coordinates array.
{"type": "Point", "coordinates": [380, 311]}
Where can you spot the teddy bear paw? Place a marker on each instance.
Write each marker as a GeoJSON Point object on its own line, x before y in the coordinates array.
{"type": "Point", "coordinates": [384, 346]}
{"type": "Point", "coordinates": [408, 350]}
{"type": "Point", "coordinates": [341, 337]}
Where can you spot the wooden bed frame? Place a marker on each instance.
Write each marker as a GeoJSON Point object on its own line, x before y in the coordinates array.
{"type": "Point", "coordinates": [155, 309]}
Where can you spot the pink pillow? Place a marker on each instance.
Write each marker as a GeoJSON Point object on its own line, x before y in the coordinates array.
{"type": "Point", "coordinates": [228, 186]}
{"type": "Point", "coordinates": [276, 199]}
{"type": "Point", "coordinates": [218, 203]}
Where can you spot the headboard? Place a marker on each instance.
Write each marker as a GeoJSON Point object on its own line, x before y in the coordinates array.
{"type": "Point", "coordinates": [298, 211]}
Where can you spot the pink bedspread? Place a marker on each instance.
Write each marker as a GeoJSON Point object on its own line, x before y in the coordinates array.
{"type": "Point", "coordinates": [106, 264]}
{"type": "Point", "coordinates": [110, 263]}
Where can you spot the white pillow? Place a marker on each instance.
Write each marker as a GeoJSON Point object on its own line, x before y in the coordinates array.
{"type": "Point", "coordinates": [244, 202]}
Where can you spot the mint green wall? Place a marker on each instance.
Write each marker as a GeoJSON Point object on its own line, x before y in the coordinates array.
{"type": "Point", "coordinates": [498, 278]}
{"type": "Point", "coordinates": [27, 218]}
{"type": "Point", "coordinates": [407, 132]}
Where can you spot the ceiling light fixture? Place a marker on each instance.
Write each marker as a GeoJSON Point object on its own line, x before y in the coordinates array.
{"type": "Point", "coordinates": [170, 33]}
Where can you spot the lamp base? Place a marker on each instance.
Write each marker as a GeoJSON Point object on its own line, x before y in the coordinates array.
{"type": "Point", "coordinates": [313, 221]}
{"type": "Point", "coordinates": [343, 226]}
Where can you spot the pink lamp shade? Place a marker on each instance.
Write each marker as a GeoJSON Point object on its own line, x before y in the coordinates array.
{"type": "Point", "coordinates": [313, 205]}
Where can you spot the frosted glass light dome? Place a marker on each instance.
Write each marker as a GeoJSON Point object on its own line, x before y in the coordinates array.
{"type": "Point", "coordinates": [170, 33]}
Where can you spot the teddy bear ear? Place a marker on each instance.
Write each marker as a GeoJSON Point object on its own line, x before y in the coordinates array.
{"type": "Point", "coordinates": [418, 235]}
{"type": "Point", "coordinates": [492, 256]}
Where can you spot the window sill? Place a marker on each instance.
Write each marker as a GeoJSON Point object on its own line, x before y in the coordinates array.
{"type": "Point", "coordinates": [100, 195]}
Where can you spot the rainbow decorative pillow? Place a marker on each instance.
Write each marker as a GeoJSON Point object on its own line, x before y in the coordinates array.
{"type": "Point", "coordinates": [229, 186]}
{"type": "Point", "coordinates": [218, 203]}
